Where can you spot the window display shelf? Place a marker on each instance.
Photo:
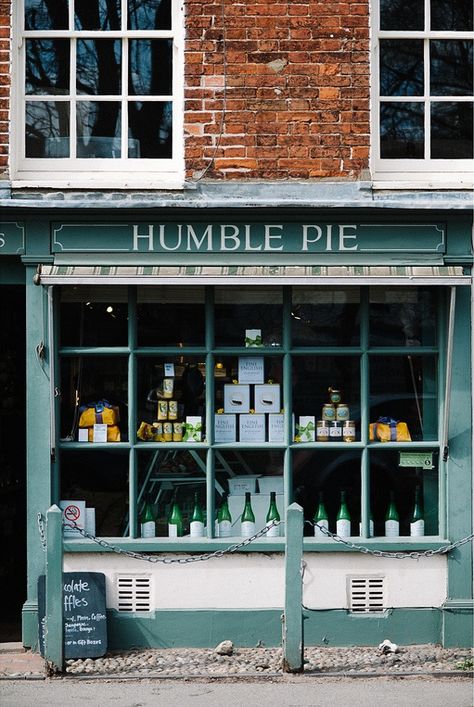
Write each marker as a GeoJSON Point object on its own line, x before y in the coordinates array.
{"type": "Point", "coordinates": [88, 446]}
{"type": "Point", "coordinates": [327, 445]}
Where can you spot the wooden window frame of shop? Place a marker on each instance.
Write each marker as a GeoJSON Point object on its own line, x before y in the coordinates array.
{"type": "Point", "coordinates": [445, 319]}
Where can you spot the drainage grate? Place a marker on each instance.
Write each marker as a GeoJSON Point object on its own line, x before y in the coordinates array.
{"type": "Point", "coordinates": [366, 594]}
{"type": "Point", "coordinates": [134, 593]}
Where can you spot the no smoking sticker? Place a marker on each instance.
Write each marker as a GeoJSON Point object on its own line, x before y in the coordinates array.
{"type": "Point", "coordinates": [74, 513]}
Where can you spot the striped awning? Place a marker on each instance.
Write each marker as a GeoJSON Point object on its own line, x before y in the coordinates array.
{"type": "Point", "coordinates": [251, 275]}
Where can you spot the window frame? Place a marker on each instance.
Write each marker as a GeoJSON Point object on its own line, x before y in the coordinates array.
{"type": "Point", "coordinates": [105, 173]}
{"type": "Point", "coordinates": [405, 173]}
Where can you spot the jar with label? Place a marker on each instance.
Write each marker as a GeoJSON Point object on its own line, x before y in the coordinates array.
{"type": "Point", "coordinates": [322, 431]}
{"type": "Point", "coordinates": [162, 410]}
{"type": "Point", "coordinates": [335, 431]}
{"type": "Point", "coordinates": [329, 412]}
{"type": "Point", "coordinates": [168, 387]}
{"type": "Point", "coordinates": [172, 410]}
{"type": "Point", "coordinates": [177, 432]}
{"type": "Point", "coordinates": [334, 395]}
{"type": "Point", "coordinates": [349, 431]}
{"type": "Point", "coordinates": [342, 412]}
{"type": "Point", "coordinates": [167, 431]}
{"type": "Point", "coordinates": [157, 431]}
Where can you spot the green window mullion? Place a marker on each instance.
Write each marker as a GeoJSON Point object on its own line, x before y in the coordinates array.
{"type": "Point", "coordinates": [209, 412]}
{"type": "Point", "coordinates": [56, 462]}
{"type": "Point", "coordinates": [287, 398]}
{"type": "Point", "coordinates": [364, 411]}
{"type": "Point", "coordinates": [443, 313]}
{"type": "Point", "coordinates": [132, 410]}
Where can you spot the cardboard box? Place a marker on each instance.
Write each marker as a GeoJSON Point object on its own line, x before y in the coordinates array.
{"type": "Point", "coordinates": [266, 484]}
{"type": "Point", "coordinates": [240, 485]}
{"type": "Point", "coordinates": [225, 428]}
{"type": "Point", "coordinates": [267, 398]}
{"type": "Point", "coordinates": [253, 338]}
{"type": "Point", "coordinates": [192, 429]}
{"type": "Point", "coordinates": [276, 427]}
{"type": "Point", "coordinates": [305, 429]}
{"type": "Point", "coordinates": [251, 428]}
{"type": "Point", "coordinates": [236, 398]}
{"type": "Point", "coordinates": [251, 369]}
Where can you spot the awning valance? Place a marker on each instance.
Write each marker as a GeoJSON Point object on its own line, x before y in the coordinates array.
{"type": "Point", "coordinates": [252, 275]}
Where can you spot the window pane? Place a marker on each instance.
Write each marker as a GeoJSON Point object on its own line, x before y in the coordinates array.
{"type": "Point", "coordinates": [330, 472]}
{"type": "Point", "coordinates": [47, 129]}
{"type": "Point", "coordinates": [149, 14]}
{"type": "Point", "coordinates": [387, 475]}
{"type": "Point", "coordinates": [101, 480]}
{"type": "Point", "coordinates": [41, 14]}
{"type": "Point", "coordinates": [150, 67]}
{"type": "Point", "coordinates": [170, 316]}
{"type": "Point", "coordinates": [325, 317]}
{"type": "Point", "coordinates": [86, 380]}
{"type": "Point", "coordinates": [150, 129]}
{"type": "Point", "coordinates": [401, 67]}
{"type": "Point", "coordinates": [402, 316]}
{"type": "Point", "coordinates": [93, 316]}
{"type": "Point", "coordinates": [98, 129]}
{"type": "Point", "coordinates": [404, 388]}
{"type": "Point", "coordinates": [47, 66]}
{"type": "Point", "coordinates": [455, 16]}
{"type": "Point", "coordinates": [451, 63]}
{"type": "Point", "coordinates": [98, 66]}
{"type": "Point", "coordinates": [452, 131]}
{"type": "Point", "coordinates": [401, 130]}
{"type": "Point", "coordinates": [402, 14]}
{"type": "Point", "coordinates": [97, 14]}
{"type": "Point", "coordinates": [239, 310]}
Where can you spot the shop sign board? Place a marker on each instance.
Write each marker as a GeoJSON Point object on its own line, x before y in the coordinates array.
{"type": "Point", "coordinates": [84, 611]}
{"type": "Point", "coordinates": [249, 238]}
{"type": "Point", "coordinates": [12, 238]}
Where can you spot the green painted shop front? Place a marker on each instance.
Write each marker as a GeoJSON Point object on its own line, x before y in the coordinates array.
{"type": "Point", "coordinates": [114, 297]}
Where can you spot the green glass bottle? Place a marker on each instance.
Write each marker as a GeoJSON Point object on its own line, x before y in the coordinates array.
{"type": "Point", "coordinates": [343, 518]}
{"type": "Point", "coordinates": [197, 519]}
{"type": "Point", "coordinates": [175, 520]}
{"type": "Point", "coordinates": [147, 520]}
{"type": "Point", "coordinates": [248, 519]}
{"type": "Point", "coordinates": [224, 519]}
{"type": "Point", "coordinates": [392, 521]}
{"type": "Point", "coordinates": [321, 518]}
{"type": "Point", "coordinates": [273, 515]}
{"type": "Point", "coordinates": [417, 521]}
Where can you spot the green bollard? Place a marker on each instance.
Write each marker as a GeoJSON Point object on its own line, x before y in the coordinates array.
{"type": "Point", "coordinates": [293, 645]}
{"type": "Point", "coordinates": [54, 633]}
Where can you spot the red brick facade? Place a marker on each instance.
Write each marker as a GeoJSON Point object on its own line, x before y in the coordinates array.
{"type": "Point", "coordinates": [293, 78]}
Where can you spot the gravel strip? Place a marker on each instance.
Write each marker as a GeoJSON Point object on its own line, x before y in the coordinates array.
{"type": "Point", "coordinates": [243, 661]}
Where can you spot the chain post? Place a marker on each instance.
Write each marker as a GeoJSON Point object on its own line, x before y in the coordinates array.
{"type": "Point", "coordinates": [293, 644]}
{"type": "Point", "coordinates": [53, 639]}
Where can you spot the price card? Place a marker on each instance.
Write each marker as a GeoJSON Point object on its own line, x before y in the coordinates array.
{"type": "Point", "coordinates": [169, 370]}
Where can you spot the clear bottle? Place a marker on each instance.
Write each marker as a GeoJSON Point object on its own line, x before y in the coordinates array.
{"type": "Point", "coordinates": [197, 520]}
{"type": "Point", "coordinates": [224, 519]}
{"type": "Point", "coordinates": [321, 518]}
{"type": "Point", "coordinates": [417, 521]}
{"type": "Point", "coordinates": [248, 518]}
{"type": "Point", "coordinates": [175, 521]}
{"type": "Point", "coordinates": [343, 518]}
{"type": "Point", "coordinates": [392, 521]}
{"type": "Point", "coordinates": [147, 520]}
{"type": "Point", "coordinates": [273, 515]}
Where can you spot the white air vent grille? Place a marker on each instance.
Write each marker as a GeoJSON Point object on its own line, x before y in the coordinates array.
{"type": "Point", "coordinates": [367, 594]}
{"type": "Point", "coordinates": [133, 593]}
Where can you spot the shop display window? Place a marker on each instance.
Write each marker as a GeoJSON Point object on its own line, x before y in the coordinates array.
{"type": "Point", "coordinates": [200, 395]}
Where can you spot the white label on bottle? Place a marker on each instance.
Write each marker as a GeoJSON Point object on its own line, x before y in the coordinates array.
{"type": "Point", "coordinates": [172, 530]}
{"type": "Point", "coordinates": [343, 528]}
{"type": "Point", "coordinates": [371, 528]}
{"type": "Point", "coordinates": [197, 529]}
{"type": "Point", "coordinates": [417, 529]}
{"type": "Point", "coordinates": [273, 531]}
{"type": "Point", "coordinates": [318, 533]}
{"type": "Point", "coordinates": [248, 528]}
{"type": "Point", "coordinates": [148, 529]}
{"type": "Point", "coordinates": [225, 529]}
{"type": "Point", "coordinates": [392, 528]}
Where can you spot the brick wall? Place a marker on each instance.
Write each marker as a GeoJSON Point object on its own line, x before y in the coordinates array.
{"type": "Point", "coordinates": [5, 19]}
{"type": "Point", "coordinates": [297, 88]}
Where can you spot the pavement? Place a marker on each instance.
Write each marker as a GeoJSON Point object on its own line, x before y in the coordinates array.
{"type": "Point", "coordinates": [16, 662]}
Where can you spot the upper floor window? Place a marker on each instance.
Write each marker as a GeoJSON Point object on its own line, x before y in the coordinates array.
{"type": "Point", "coordinates": [99, 92]}
{"type": "Point", "coordinates": [423, 91]}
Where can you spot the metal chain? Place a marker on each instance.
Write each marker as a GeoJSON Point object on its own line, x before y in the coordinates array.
{"type": "Point", "coordinates": [41, 531]}
{"type": "Point", "coordinates": [413, 555]}
{"type": "Point", "coordinates": [164, 560]}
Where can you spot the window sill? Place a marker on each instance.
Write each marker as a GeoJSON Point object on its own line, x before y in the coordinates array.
{"type": "Point", "coordinates": [154, 181]}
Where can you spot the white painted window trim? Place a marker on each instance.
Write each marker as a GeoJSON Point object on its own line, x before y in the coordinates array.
{"type": "Point", "coordinates": [421, 173]}
{"type": "Point", "coordinates": [122, 173]}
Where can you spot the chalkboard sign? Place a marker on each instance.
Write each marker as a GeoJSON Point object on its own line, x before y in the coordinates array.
{"type": "Point", "coordinates": [85, 617]}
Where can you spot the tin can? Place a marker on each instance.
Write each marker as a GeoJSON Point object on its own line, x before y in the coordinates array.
{"type": "Point", "coordinates": [329, 412]}
{"type": "Point", "coordinates": [334, 395]}
{"type": "Point", "coordinates": [162, 410]}
{"type": "Point", "coordinates": [177, 431]}
{"type": "Point", "coordinates": [349, 431]}
{"type": "Point", "coordinates": [342, 412]}
{"type": "Point", "coordinates": [335, 431]}
{"type": "Point", "coordinates": [168, 387]}
{"type": "Point", "coordinates": [157, 431]}
{"type": "Point", "coordinates": [322, 431]}
{"type": "Point", "coordinates": [167, 431]}
{"type": "Point", "coordinates": [173, 410]}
